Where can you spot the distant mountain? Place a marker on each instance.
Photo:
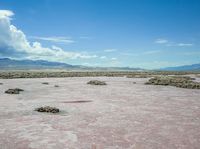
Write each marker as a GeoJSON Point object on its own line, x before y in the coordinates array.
{"type": "Point", "coordinates": [11, 64]}
{"type": "Point", "coordinates": [116, 68]}
{"type": "Point", "coordinates": [6, 63]}
{"type": "Point", "coordinates": [193, 67]}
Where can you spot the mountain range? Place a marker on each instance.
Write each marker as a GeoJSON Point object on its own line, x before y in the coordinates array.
{"type": "Point", "coordinates": [193, 67]}
{"type": "Point", "coordinates": [9, 64]}
{"type": "Point", "coordinates": [6, 63]}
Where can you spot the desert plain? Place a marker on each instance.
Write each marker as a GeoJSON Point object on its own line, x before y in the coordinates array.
{"type": "Point", "coordinates": [124, 114]}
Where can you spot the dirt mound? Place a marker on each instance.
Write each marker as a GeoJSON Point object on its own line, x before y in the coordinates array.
{"type": "Point", "coordinates": [14, 91]}
{"type": "Point", "coordinates": [96, 82]}
{"type": "Point", "coordinates": [182, 82]}
{"type": "Point", "coordinates": [47, 109]}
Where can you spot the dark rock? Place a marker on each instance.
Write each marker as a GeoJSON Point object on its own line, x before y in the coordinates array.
{"type": "Point", "coordinates": [56, 85]}
{"type": "Point", "coordinates": [48, 109]}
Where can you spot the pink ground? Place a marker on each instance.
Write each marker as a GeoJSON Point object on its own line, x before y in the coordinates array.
{"type": "Point", "coordinates": [120, 115]}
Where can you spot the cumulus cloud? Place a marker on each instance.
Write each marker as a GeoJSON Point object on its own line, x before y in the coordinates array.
{"type": "Point", "coordinates": [13, 42]}
{"type": "Point", "coordinates": [6, 13]}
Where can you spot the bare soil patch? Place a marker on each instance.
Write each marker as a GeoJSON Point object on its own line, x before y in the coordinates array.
{"type": "Point", "coordinates": [121, 115]}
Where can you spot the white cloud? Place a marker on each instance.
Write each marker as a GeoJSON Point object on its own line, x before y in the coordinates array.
{"type": "Point", "coordinates": [114, 58]}
{"type": "Point", "coordinates": [103, 57]}
{"type": "Point", "coordinates": [13, 42]}
{"type": "Point", "coordinates": [65, 40]}
{"type": "Point", "coordinates": [110, 50]}
{"type": "Point", "coordinates": [161, 41]}
{"type": "Point", "coordinates": [6, 14]}
{"type": "Point", "coordinates": [151, 52]}
{"type": "Point", "coordinates": [129, 54]}
{"type": "Point", "coordinates": [172, 44]}
{"type": "Point", "coordinates": [114, 62]}
{"type": "Point", "coordinates": [180, 44]}
{"type": "Point", "coordinates": [184, 44]}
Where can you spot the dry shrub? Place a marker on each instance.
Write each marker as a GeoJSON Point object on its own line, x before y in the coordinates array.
{"type": "Point", "coordinates": [182, 82]}
{"type": "Point", "coordinates": [96, 82]}
{"type": "Point", "coordinates": [138, 76]}
{"type": "Point", "coordinates": [47, 109]}
{"type": "Point", "coordinates": [14, 91]}
{"type": "Point", "coordinates": [90, 73]}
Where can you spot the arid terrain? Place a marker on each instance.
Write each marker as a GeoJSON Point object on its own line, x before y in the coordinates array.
{"type": "Point", "coordinates": [124, 114]}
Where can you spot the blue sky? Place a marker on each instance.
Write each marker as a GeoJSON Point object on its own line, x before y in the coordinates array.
{"type": "Point", "coordinates": [135, 33]}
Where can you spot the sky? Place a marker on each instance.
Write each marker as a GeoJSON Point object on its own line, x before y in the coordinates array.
{"type": "Point", "coordinates": [148, 34]}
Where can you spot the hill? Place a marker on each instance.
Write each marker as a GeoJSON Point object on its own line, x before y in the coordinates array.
{"type": "Point", "coordinates": [193, 67]}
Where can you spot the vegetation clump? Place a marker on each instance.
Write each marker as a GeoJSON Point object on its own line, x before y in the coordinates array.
{"type": "Point", "coordinates": [177, 81]}
{"type": "Point", "coordinates": [96, 82]}
{"type": "Point", "coordinates": [198, 76]}
{"type": "Point", "coordinates": [138, 76]}
{"type": "Point", "coordinates": [48, 109]}
{"type": "Point", "coordinates": [14, 91]}
{"type": "Point", "coordinates": [91, 73]}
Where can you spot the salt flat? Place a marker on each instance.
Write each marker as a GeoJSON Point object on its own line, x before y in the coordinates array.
{"type": "Point", "coordinates": [120, 115]}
